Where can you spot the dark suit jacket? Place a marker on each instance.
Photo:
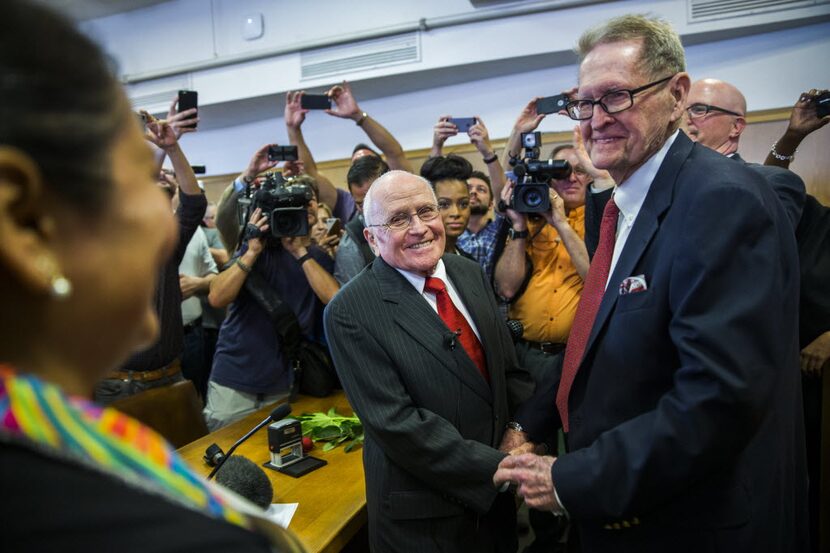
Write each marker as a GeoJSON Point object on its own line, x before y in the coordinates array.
{"type": "Point", "coordinates": [788, 187]}
{"type": "Point", "coordinates": [685, 426]}
{"type": "Point", "coordinates": [432, 423]}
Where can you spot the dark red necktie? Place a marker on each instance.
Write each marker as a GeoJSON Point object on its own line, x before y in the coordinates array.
{"type": "Point", "coordinates": [588, 306]}
{"type": "Point", "coordinates": [457, 323]}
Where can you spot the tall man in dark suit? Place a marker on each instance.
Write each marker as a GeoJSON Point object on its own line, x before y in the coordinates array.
{"type": "Point", "coordinates": [679, 391]}
{"type": "Point", "coordinates": [430, 369]}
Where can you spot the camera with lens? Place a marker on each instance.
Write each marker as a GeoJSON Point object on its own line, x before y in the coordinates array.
{"type": "Point", "coordinates": [284, 203]}
{"type": "Point", "coordinates": [531, 193]}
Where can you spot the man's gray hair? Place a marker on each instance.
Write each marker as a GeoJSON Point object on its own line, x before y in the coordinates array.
{"type": "Point", "coordinates": [662, 53]}
{"type": "Point", "coordinates": [369, 216]}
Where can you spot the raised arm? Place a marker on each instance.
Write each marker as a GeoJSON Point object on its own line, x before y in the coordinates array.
{"type": "Point", "coordinates": [572, 241]}
{"type": "Point", "coordinates": [527, 121]}
{"type": "Point", "coordinates": [321, 281]}
{"type": "Point", "coordinates": [345, 107]}
{"type": "Point", "coordinates": [294, 117]}
{"type": "Point", "coordinates": [226, 286]}
{"type": "Point", "coordinates": [803, 121]}
{"type": "Point", "coordinates": [480, 138]}
{"type": "Point", "coordinates": [192, 201]}
{"type": "Point", "coordinates": [441, 131]}
{"type": "Point", "coordinates": [511, 267]}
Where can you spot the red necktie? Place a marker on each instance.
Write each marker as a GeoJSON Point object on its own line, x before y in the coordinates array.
{"type": "Point", "coordinates": [457, 323]}
{"type": "Point", "coordinates": [588, 306]}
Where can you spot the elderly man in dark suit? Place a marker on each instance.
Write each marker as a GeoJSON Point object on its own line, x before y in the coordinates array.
{"type": "Point", "coordinates": [430, 369]}
{"type": "Point", "coordinates": [680, 387]}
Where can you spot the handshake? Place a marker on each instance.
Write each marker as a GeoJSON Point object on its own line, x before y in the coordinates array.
{"type": "Point", "coordinates": [528, 469]}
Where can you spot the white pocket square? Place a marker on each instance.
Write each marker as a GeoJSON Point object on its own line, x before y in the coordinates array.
{"type": "Point", "coordinates": [633, 285]}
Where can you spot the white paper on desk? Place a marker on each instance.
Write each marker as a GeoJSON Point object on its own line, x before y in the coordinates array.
{"type": "Point", "coordinates": [282, 513]}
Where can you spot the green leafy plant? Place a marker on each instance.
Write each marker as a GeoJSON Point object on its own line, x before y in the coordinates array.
{"type": "Point", "coordinates": [333, 429]}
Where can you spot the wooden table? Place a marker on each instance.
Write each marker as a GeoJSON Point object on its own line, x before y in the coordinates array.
{"type": "Point", "coordinates": [332, 499]}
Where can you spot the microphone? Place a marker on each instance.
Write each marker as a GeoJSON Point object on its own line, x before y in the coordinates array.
{"type": "Point", "coordinates": [449, 339]}
{"type": "Point", "coordinates": [516, 328]}
{"type": "Point", "coordinates": [280, 412]}
{"type": "Point", "coordinates": [243, 476]}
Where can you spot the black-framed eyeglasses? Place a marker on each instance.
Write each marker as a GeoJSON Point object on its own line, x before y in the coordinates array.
{"type": "Point", "coordinates": [402, 221]}
{"type": "Point", "coordinates": [701, 110]}
{"type": "Point", "coordinates": [612, 102]}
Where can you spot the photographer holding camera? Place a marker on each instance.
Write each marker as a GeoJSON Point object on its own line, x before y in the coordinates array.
{"type": "Point", "coordinates": [540, 272]}
{"type": "Point", "coordinates": [251, 367]}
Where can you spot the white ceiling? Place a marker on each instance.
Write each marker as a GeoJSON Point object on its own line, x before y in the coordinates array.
{"type": "Point", "coordinates": [81, 10]}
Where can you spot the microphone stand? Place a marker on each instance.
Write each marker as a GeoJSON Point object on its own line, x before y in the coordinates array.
{"type": "Point", "coordinates": [276, 414]}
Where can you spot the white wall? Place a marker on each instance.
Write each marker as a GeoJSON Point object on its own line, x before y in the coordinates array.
{"type": "Point", "coordinates": [770, 67]}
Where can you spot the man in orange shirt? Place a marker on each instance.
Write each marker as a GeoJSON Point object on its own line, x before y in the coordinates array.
{"type": "Point", "coordinates": [540, 273]}
{"type": "Point", "coordinates": [541, 268]}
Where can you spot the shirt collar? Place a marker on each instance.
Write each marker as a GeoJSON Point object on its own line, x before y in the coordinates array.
{"type": "Point", "coordinates": [419, 281]}
{"type": "Point", "coordinates": [630, 195]}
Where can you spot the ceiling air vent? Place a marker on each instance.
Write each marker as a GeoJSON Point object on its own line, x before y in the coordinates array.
{"type": "Point", "coordinates": [367, 54]}
{"type": "Point", "coordinates": [708, 10]}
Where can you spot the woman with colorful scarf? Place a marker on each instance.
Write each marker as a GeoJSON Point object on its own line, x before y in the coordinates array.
{"type": "Point", "coordinates": [83, 231]}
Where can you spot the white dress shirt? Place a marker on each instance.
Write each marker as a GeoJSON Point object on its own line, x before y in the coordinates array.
{"type": "Point", "coordinates": [440, 272]}
{"type": "Point", "coordinates": [630, 195]}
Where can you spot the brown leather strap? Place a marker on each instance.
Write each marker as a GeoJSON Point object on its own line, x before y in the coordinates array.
{"type": "Point", "coordinates": [147, 376]}
{"type": "Point", "coordinates": [551, 348]}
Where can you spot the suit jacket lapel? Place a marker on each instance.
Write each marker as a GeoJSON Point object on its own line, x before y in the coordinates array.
{"type": "Point", "coordinates": [470, 289]}
{"type": "Point", "coordinates": [422, 323]}
{"type": "Point", "coordinates": [658, 199]}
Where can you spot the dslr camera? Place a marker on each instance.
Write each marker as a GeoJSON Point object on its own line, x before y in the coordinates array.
{"type": "Point", "coordinates": [531, 194]}
{"type": "Point", "coordinates": [285, 204]}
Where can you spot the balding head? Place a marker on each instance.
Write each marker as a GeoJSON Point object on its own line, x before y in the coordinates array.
{"type": "Point", "coordinates": [418, 246]}
{"type": "Point", "coordinates": [724, 120]}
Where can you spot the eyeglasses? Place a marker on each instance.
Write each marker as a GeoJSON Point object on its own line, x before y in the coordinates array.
{"type": "Point", "coordinates": [612, 102]}
{"type": "Point", "coordinates": [402, 221]}
{"type": "Point", "coordinates": [700, 110]}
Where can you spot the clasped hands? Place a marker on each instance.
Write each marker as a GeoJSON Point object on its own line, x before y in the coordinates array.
{"type": "Point", "coordinates": [530, 473]}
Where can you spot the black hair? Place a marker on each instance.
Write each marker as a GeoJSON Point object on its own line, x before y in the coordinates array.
{"type": "Point", "coordinates": [362, 146]}
{"type": "Point", "coordinates": [309, 181]}
{"type": "Point", "coordinates": [481, 176]}
{"type": "Point", "coordinates": [59, 102]}
{"type": "Point", "coordinates": [366, 168]}
{"type": "Point", "coordinates": [450, 167]}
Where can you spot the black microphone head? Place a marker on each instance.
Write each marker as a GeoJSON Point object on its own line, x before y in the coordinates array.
{"type": "Point", "coordinates": [241, 475]}
{"type": "Point", "coordinates": [516, 328]}
{"type": "Point", "coordinates": [280, 412]}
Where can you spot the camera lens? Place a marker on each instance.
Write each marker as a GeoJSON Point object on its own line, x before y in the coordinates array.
{"type": "Point", "coordinates": [286, 224]}
{"type": "Point", "coordinates": [532, 198]}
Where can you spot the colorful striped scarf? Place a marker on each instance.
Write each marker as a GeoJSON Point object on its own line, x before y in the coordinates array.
{"type": "Point", "coordinates": [39, 414]}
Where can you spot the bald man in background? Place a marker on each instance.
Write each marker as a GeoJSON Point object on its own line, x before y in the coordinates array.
{"type": "Point", "coordinates": [716, 118]}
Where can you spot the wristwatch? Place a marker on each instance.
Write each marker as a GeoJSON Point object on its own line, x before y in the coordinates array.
{"type": "Point", "coordinates": [513, 425]}
{"type": "Point", "coordinates": [513, 234]}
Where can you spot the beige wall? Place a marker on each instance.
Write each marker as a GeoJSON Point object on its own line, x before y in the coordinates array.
{"type": "Point", "coordinates": [812, 162]}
